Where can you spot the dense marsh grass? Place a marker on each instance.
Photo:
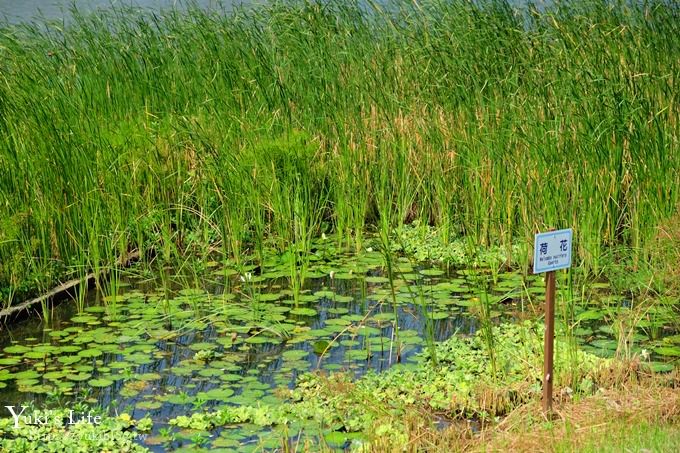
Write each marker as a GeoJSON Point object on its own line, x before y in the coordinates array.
{"type": "Point", "coordinates": [277, 123]}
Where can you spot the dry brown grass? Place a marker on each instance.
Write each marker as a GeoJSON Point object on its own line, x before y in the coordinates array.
{"type": "Point", "coordinates": [666, 252]}
{"type": "Point", "coordinates": [632, 397]}
{"type": "Point", "coordinates": [526, 429]}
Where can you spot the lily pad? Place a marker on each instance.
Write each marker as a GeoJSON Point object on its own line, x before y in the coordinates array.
{"type": "Point", "coordinates": [101, 382]}
{"type": "Point", "coordinates": [669, 351]}
{"type": "Point", "coordinates": [202, 346]}
{"type": "Point", "coordinates": [432, 272]}
{"type": "Point", "coordinates": [149, 377]}
{"type": "Point", "coordinates": [17, 349]}
{"type": "Point", "coordinates": [321, 346]}
{"type": "Point", "coordinates": [357, 354]}
{"type": "Point", "coordinates": [590, 315]}
{"type": "Point", "coordinates": [92, 352]}
{"type": "Point", "coordinates": [69, 359]}
{"type": "Point", "coordinates": [295, 354]}
{"type": "Point", "coordinates": [302, 311]}
{"type": "Point", "coordinates": [79, 377]}
{"type": "Point", "coordinates": [148, 405]}
{"type": "Point", "coordinates": [9, 360]}
{"type": "Point", "coordinates": [217, 394]}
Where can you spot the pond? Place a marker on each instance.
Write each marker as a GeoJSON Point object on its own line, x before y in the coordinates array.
{"type": "Point", "coordinates": [31, 10]}
{"type": "Point", "coordinates": [36, 10]}
{"type": "Point", "coordinates": [234, 336]}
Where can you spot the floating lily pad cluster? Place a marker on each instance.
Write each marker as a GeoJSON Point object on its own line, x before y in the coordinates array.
{"type": "Point", "coordinates": [251, 334]}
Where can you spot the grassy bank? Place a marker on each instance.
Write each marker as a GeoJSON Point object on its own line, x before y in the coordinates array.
{"type": "Point", "coordinates": [185, 131]}
{"type": "Point", "coordinates": [628, 418]}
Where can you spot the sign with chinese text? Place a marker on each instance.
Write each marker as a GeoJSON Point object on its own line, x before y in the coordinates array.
{"type": "Point", "coordinates": [552, 251]}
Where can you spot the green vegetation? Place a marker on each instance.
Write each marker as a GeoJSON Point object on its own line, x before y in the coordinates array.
{"type": "Point", "coordinates": [374, 407]}
{"type": "Point", "coordinates": [318, 191]}
{"type": "Point", "coordinates": [461, 383]}
{"type": "Point", "coordinates": [330, 411]}
{"type": "Point", "coordinates": [226, 359]}
{"type": "Point", "coordinates": [193, 132]}
{"type": "Point", "coordinates": [629, 416]}
{"type": "Point", "coordinates": [623, 436]}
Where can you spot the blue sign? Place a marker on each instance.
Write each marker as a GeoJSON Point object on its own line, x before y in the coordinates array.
{"type": "Point", "coordinates": [552, 251]}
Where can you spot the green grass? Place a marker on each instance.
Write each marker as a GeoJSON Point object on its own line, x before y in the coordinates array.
{"type": "Point", "coordinates": [176, 131]}
{"type": "Point", "coordinates": [622, 436]}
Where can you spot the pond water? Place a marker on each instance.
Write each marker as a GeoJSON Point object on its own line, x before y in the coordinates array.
{"type": "Point", "coordinates": [15, 11]}
{"type": "Point", "coordinates": [235, 336]}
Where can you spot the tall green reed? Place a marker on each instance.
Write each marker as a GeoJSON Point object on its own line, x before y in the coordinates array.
{"type": "Point", "coordinates": [469, 116]}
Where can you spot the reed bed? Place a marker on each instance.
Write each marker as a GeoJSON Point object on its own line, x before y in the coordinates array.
{"type": "Point", "coordinates": [280, 122]}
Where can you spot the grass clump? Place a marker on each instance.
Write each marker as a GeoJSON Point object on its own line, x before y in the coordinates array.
{"type": "Point", "coordinates": [426, 243]}
{"type": "Point", "coordinates": [634, 416]}
{"type": "Point", "coordinates": [181, 132]}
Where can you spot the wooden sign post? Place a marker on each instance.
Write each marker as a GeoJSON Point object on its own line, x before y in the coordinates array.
{"type": "Point", "coordinates": [552, 251]}
{"type": "Point", "coordinates": [549, 341]}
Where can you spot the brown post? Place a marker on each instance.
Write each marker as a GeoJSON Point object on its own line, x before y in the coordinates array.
{"type": "Point", "coordinates": [549, 341]}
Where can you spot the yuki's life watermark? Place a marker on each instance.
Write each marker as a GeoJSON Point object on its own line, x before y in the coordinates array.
{"type": "Point", "coordinates": [48, 417]}
{"type": "Point", "coordinates": [80, 426]}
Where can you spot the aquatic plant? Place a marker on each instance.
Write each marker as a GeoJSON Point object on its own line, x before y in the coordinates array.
{"type": "Point", "coordinates": [461, 383]}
